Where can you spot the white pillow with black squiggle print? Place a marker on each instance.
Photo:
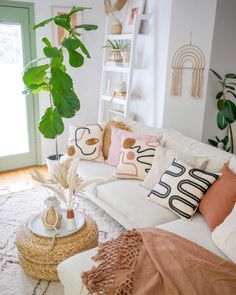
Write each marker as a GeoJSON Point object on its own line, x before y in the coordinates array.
{"type": "Point", "coordinates": [181, 188]}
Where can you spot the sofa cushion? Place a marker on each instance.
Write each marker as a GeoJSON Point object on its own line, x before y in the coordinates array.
{"type": "Point", "coordinates": [90, 169]}
{"type": "Point", "coordinates": [219, 201]}
{"type": "Point", "coordinates": [85, 142]}
{"type": "Point", "coordinates": [181, 188]}
{"type": "Point", "coordinates": [116, 143]}
{"type": "Point", "coordinates": [195, 230]}
{"type": "Point", "coordinates": [179, 142]}
{"type": "Point", "coordinates": [224, 235]}
{"type": "Point", "coordinates": [129, 199]}
{"type": "Point", "coordinates": [163, 159]}
{"type": "Point", "coordinates": [69, 271]}
{"type": "Point", "coordinates": [136, 158]}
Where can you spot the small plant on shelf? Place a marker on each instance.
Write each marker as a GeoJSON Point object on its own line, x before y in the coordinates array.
{"type": "Point", "coordinates": [116, 48]}
{"type": "Point", "coordinates": [226, 115]}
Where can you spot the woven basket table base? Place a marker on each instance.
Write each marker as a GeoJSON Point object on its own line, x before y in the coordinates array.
{"type": "Point", "coordinates": [38, 260]}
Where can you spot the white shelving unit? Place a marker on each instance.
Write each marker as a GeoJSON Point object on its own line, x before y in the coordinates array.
{"type": "Point", "coordinates": [114, 105]}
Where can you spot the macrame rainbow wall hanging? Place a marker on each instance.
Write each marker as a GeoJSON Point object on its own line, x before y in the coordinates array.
{"type": "Point", "coordinates": [187, 54]}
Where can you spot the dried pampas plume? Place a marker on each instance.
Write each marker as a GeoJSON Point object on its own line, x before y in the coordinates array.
{"type": "Point", "coordinates": [119, 4]}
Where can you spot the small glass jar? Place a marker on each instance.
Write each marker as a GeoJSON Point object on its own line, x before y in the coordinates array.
{"type": "Point", "coordinates": [51, 215]}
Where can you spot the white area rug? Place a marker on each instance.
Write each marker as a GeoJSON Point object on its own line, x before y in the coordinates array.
{"type": "Point", "coordinates": [16, 208]}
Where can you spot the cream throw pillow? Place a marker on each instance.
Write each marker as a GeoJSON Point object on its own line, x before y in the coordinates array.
{"type": "Point", "coordinates": [163, 159]}
{"type": "Point", "coordinates": [181, 188]}
{"type": "Point", "coordinates": [136, 158]}
{"type": "Point", "coordinates": [85, 142]}
{"type": "Point", "coordinates": [224, 235]}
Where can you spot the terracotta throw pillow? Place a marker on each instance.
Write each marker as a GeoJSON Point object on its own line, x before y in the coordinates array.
{"type": "Point", "coordinates": [136, 158]}
{"type": "Point", "coordinates": [85, 142]}
{"type": "Point", "coordinates": [219, 200]}
{"type": "Point", "coordinates": [107, 135]}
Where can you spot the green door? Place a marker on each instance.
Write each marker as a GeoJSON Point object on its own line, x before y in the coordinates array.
{"type": "Point", "coordinates": [17, 112]}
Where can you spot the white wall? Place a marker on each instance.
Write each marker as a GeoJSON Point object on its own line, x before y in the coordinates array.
{"type": "Point", "coordinates": [86, 79]}
{"type": "Point", "coordinates": [223, 60]}
{"type": "Point", "coordinates": [185, 113]}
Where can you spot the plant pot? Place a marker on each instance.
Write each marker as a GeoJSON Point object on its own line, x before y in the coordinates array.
{"type": "Point", "coordinates": [115, 56]}
{"type": "Point", "coordinates": [52, 162]}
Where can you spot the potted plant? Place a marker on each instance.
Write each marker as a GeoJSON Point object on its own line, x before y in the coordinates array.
{"type": "Point", "coordinates": [52, 75]}
{"type": "Point", "coordinates": [226, 115]}
{"type": "Point", "coordinates": [116, 48]}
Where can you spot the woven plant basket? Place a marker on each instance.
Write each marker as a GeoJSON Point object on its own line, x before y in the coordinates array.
{"type": "Point", "coordinates": [38, 260]}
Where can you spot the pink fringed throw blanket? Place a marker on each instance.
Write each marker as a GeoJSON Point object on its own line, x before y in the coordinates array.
{"type": "Point", "coordinates": [153, 261]}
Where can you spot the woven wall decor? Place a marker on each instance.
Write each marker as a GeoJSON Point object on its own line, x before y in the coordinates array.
{"type": "Point", "coordinates": [118, 5]}
{"type": "Point", "coordinates": [185, 54]}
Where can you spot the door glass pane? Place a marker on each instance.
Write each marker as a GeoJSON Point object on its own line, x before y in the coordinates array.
{"type": "Point", "coordinates": [13, 119]}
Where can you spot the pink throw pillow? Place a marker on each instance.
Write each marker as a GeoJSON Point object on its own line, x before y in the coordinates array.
{"type": "Point", "coordinates": [116, 143]}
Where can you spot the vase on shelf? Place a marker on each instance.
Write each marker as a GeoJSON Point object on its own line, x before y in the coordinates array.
{"type": "Point", "coordinates": [70, 219]}
{"type": "Point", "coordinates": [51, 216]}
{"type": "Point", "coordinates": [116, 27]}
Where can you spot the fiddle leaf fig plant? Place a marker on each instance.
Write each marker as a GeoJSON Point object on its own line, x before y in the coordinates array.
{"type": "Point", "coordinates": [52, 76]}
{"type": "Point", "coordinates": [226, 115]}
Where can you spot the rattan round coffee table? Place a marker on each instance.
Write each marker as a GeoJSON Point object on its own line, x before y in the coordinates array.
{"type": "Point", "coordinates": [38, 260]}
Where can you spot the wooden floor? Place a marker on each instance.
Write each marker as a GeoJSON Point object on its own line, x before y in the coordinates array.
{"type": "Point", "coordinates": [20, 176]}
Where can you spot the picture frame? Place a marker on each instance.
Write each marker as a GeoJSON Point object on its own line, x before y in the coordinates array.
{"type": "Point", "coordinates": [60, 33]}
{"type": "Point", "coordinates": [133, 7]}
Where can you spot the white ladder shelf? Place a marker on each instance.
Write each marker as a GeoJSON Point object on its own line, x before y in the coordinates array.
{"type": "Point", "coordinates": [108, 101]}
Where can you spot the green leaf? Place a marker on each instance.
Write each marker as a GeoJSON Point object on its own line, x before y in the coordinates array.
{"type": "Point", "coordinates": [216, 74]}
{"type": "Point", "coordinates": [35, 75]}
{"type": "Point", "coordinates": [230, 76]}
{"type": "Point", "coordinates": [217, 138]}
{"type": "Point", "coordinates": [63, 21]}
{"type": "Point", "coordinates": [60, 80]}
{"type": "Point", "coordinates": [77, 9]}
{"type": "Point", "coordinates": [220, 104]}
{"type": "Point", "coordinates": [58, 60]}
{"type": "Point", "coordinates": [229, 91]}
{"type": "Point", "coordinates": [225, 140]}
{"type": "Point", "coordinates": [213, 142]}
{"type": "Point", "coordinates": [222, 123]}
{"type": "Point", "coordinates": [76, 59]}
{"type": "Point", "coordinates": [87, 27]}
{"type": "Point", "coordinates": [219, 94]}
{"type": "Point", "coordinates": [229, 111]}
{"type": "Point", "coordinates": [232, 83]}
{"type": "Point", "coordinates": [71, 43]}
{"type": "Point", "coordinates": [228, 149]}
{"type": "Point", "coordinates": [46, 42]}
{"type": "Point", "coordinates": [51, 124]}
{"type": "Point", "coordinates": [67, 103]}
{"type": "Point", "coordinates": [43, 23]}
{"type": "Point", "coordinates": [51, 52]}
{"type": "Point", "coordinates": [84, 49]}
{"type": "Point", "coordinates": [36, 88]}
{"type": "Point", "coordinates": [229, 87]}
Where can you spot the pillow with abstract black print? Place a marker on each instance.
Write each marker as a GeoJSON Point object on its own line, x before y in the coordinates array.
{"type": "Point", "coordinates": [181, 188]}
{"type": "Point", "coordinates": [136, 158]}
{"type": "Point", "coordinates": [85, 142]}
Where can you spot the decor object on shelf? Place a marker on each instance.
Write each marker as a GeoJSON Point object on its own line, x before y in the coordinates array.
{"type": "Point", "coordinates": [126, 57]}
{"type": "Point", "coordinates": [120, 90]}
{"type": "Point", "coordinates": [226, 115]}
{"type": "Point", "coordinates": [185, 54]}
{"type": "Point", "coordinates": [116, 48]}
{"type": "Point", "coordinates": [52, 75]}
{"type": "Point", "coordinates": [116, 27]}
{"type": "Point", "coordinates": [133, 7]}
{"type": "Point", "coordinates": [52, 216]}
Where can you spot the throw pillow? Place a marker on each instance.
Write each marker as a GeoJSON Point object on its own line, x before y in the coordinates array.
{"type": "Point", "coordinates": [184, 144]}
{"type": "Point", "coordinates": [85, 142]}
{"type": "Point", "coordinates": [220, 199]}
{"type": "Point", "coordinates": [181, 188]}
{"type": "Point", "coordinates": [224, 235]}
{"type": "Point", "coordinates": [136, 158]}
{"type": "Point", "coordinates": [163, 159]}
{"type": "Point", "coordinates": [116, 143]}
{"type": "Point", "coordinates": [232, 164]}
{"type": "Point", "coordinates": [107, 135]}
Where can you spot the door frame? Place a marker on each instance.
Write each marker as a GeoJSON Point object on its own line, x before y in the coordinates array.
{"type": "Point", "coordinates": [35, 99]}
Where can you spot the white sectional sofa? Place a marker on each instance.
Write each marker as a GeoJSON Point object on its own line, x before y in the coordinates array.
{"type": "Point", "coordinates": [126, 201]}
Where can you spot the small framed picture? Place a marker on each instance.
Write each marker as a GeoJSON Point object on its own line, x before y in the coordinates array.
{"type": "Point", "coordinates": [59, 33]}
{"type": "Point", "coordinates": [133, 7]}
